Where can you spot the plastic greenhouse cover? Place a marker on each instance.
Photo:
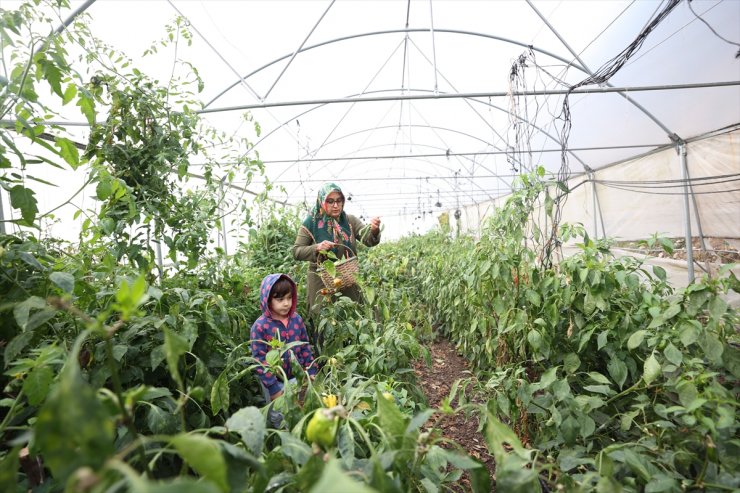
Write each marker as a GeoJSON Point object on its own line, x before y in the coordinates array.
{"type": "Point", "coordinates": [410, 104]}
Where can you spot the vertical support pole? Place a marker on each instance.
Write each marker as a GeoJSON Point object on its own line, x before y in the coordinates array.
{"type": "Point", "coordinates": [223, 217]}
{"type": "Point", "coordinates": [2, 215]}
{"type": "Point", "coordinates": [434, 50]}
{"type": "Point", "coordinates": [687, 211]}
{"type": "Point", "coordinates": [592, 178]}
{"type": "Point", "coordinates": [160, 263]}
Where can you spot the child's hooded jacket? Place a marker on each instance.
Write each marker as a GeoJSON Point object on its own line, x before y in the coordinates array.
{"type": "Point", "coordinates": [266, 328]}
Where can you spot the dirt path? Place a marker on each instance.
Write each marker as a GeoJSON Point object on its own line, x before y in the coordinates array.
{"type": "Point", "coordinates": [448, 366]}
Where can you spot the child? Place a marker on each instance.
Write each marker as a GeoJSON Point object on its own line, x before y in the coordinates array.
{"type": "Point", "coordinates": [280, 320]}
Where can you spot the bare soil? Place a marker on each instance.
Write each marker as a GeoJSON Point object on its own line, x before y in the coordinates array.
{"type": "Point", "coordinates": [448, 366]}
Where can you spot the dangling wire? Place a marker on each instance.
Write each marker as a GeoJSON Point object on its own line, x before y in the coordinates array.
{"type": "Point", "coordinates": [737, 55]}
{"type": "Point", "coordinates": [599, 77]}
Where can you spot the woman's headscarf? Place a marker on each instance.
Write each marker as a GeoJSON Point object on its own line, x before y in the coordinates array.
{"type": "Point", "coordinates": [324, 227]}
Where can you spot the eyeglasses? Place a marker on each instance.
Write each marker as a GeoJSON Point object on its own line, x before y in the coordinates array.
{"type": "Point", "coordinates": [334, 201]}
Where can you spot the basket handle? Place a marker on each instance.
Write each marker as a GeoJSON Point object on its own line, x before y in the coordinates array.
{"type": "Point", "coordinates": [345, 246]}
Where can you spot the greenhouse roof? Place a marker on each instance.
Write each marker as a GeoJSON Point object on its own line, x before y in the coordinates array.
{"type": "Point", "coordinates": [419, 106]}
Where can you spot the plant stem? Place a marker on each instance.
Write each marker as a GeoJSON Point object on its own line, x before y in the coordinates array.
{"type": "Point", "coordinates": [364, 435]}
{"type": "Point", "coordinates": [8, 416]}
{"type": "Point", "coordinates": [127, 418]}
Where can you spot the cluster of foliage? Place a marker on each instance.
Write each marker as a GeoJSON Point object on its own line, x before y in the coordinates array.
{"type": "Point", "coordinates": [601, 376]}
{"type": "Point", "coordinates": [116, 378]}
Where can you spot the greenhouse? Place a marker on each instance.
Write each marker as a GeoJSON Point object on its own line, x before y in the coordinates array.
{"type": "Point", "coordinates": [372, 246]}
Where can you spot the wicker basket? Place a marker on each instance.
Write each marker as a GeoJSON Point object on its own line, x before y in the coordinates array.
{"type": "Point", "coordinates": [347, 269]}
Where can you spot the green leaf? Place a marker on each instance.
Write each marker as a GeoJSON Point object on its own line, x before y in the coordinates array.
{"type": "Point", "coordinates": [40, 317]}
{"type": "Point", "coordinates": [241, 466]}
{"type": "Point", "coordinates": [547, 379]}
{"type": "Point", "coordinates": [627, 418]}
{"type": "Point", "coordinates": [712, 347]}
{"type": "Point", "coordinates": [599, 389]}
{"type": "Point", "coordinates": [68, 151]}
{"type": "Point", "coordinates": [178, 485]}
{"type": "Point", "coordinates": [636, 339]}
{"type": "Point", "coordinates": [392, 421]}
{"type": "Point", "coordinates": [17, 345]}
{"type": "Point", "coordinates": [204, 456]}
{"type": "Point", "coordinates": [499, 437]}
{"type": "Point", "coordinates": [87, 106]}
{"type": "Point", "coordinates": [660, 272]}
{"type": "Point", "coordinates": [333, 478]}
{"type": "Point", "coordinates": [161, 421]}
{"type": "Point", "coordinates": [601, 340]}
{"type": "Point", "coordinates": [174, 347]}
{"type": "Point", "coordinates": [661, 484]}
{"type": "Point", "coordinates": [672, 354]}
{"type": "Point", "coordinates": [635, 462]}
{"type": "Point", "coordinates": [599, 378]}
{"type": "Point", "coordinates": [36, 385]}
{"type": "Point", "coordinates": [23, 198]}
{"type": "Point", "coordinates": [31, 260]}
{"type": "Point", "coordinates": [419, 419]}
{"type": "Point", "coordinates": [717, 307]}
{"type": "Point", "coordinates": [250, 424]}
{"type": "Point", "coordinates": [294, 449]}
{"type": "Point", "coordinates": [53, 76]}
{"type": "Point", "coordinates": [64, 280]}
{"type": "Point", "coordinates": [571, 363]}
{"type": "Point", "coordinates": [73, 428]}
{"type": "Point", "coordinates": [651, 370]}
{"type": "Point", "coordinates": [119, 351]}
{"type": "Point", "coordinates": [535, 339]}
{"type": "Point", "coordinates": [667, 244]}
{"type": "Point", "coordinates": [617, 370]}
{"type": "Point", "coordinates": [220, 393]}
{"type": "Point", "coordinates": [346, 443]}
{"type": "Point", "coordinates": [369, 295]}
{"type": "Point", "coordinates": [569, 429]}
{"type": "Point", "coordinates": [726, 417]}
{"type": "Point", "coordinates": [533, 297]}
{"type": "Point", "coordinates": [69, 94]}
{"type": "Point", "coordinates": [561, 389]}
{"type": "Point", "coordinates": [687, 393]}
{"type": "Point", "coordinates": [588, 426]}
{"type": "Point", "coordinates": [22, 310]}
{"type": "Point", "coordinates": [9, 466]}
{"type": "Point", "coordinates": [103, 190]}
{"type": "Point", "coordinates": [690, 331]}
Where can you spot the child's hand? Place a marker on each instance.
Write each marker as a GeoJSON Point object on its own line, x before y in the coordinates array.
{"type": "Point", "coordinates": [276, 395]}
{"type": "Point", "coordinates": [324, 245]}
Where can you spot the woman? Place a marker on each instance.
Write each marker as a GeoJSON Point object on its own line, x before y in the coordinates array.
{"type": "Point", "coordinates": [326, 228]}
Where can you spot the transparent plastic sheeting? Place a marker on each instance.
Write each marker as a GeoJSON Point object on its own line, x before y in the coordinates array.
{"type": "Point", "coordinates": [652, 200]}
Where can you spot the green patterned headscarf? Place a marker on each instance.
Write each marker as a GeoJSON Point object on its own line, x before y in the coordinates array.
{"type": "Point", "coordinates": [322, 226]}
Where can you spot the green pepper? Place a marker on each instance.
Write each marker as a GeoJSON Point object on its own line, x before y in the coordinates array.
{"type": "Point", "coordinates": [322, 429]}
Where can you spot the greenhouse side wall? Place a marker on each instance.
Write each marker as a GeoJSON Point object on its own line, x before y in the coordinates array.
{"type": "Point", "coordinates": [638, 198]}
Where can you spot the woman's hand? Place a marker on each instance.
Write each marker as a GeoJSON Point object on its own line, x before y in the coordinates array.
{"type": "Point", "coordinates": [324, 245]}
{"type": "Point", "coordinates": [375, 226]}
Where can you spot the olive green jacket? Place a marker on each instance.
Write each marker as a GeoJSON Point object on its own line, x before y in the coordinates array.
{"type": "Point", "coordinates": [304, 249]}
